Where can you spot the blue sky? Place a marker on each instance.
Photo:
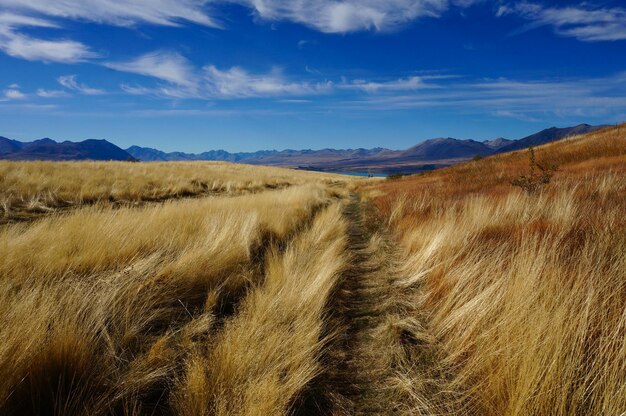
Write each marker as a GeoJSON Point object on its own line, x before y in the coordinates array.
{"type": "Point", "coordinates": [195, 75]}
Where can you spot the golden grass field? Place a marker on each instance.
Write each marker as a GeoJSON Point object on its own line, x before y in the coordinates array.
{"type": "Point", "coordinates": [28, 189]}
{"type": "Point", "coordinates": [222, 289]}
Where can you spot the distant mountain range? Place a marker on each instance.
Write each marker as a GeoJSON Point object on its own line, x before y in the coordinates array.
{"type": "Point", "coordinates": [48, 149]}
{"type": "Point", "coordinates": [429, 154]}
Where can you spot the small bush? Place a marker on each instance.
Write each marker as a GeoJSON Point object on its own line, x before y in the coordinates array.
{"type": "Point", "coordinates": [537, 177]}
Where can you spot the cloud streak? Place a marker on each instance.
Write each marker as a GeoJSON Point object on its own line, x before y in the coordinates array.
{"type": "Point", "coordinates": [328, 16]}
{"type": "Point", "coordinates": [400, 84]}
{"type": "Point", "coordinates": [18, 15]}
{"type": "Point", "coordinates": [332, 16]}
{"type": "Point", "coordinates": [182, 80]}
{"type": "Point", "coordinates": [506, 97]}
{"type": "Point", "coordinates": [503, 97]}
{"type": "Point", "coordinates": [119, 13]}
{"type": "Point", "coordinates": [238, 83]}
{"type": "Point", "coordinates": [43, 93]}
{"type": "Point", "coordinates": [164, 65]}
{"type": "Point", "coordinates": [15, 43]}
{"type": "Point", "coordinates": [70, 82]}
{"type": "Point", "coordinates": [581, 22]}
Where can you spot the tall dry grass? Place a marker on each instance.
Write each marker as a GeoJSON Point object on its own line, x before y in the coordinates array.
{"type": "Point", "coordinates": [265, 356]}
{"type": "Point", "coordinates": [101, 309]}
{"type": "Point", "coordinates": [525, 295]}
{"type": "Point", "coordinates": [39, 187]}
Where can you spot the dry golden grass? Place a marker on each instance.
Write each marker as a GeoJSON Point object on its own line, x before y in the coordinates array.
{"type": "Point", "coordinates": [38, 187]}
{"type": "Point", "coordinates": [100, 319]}
{"type": "Point", "coordinates": [524, 294]}
{"type": "Point", "coordinates": [269, 351]}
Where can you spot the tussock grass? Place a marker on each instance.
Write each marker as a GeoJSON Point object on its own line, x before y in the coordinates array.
{"type": "Point", "coordinates": [38, 187]}
{"type": "Point", "coordinates": [524, 294]}
{"type": "Point", "coordinates": [99, 319]}
{"type": "Point", "coordinates": [269, 351]}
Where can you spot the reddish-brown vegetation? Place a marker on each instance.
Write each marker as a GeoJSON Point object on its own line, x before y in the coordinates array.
{"type": "Point", "coordinates": [524, 293]}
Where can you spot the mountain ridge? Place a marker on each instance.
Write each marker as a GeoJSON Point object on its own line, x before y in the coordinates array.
{"type": "Point", "coordinates": [48, 149]}
{"type": "Point", "coordinates": [429, 154]}
{"type": "Point", "coordinates": [432, 149]}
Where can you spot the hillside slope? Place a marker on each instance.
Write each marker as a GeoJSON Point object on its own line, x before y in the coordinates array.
{"type": "Point", "coordinates": [524, 292]}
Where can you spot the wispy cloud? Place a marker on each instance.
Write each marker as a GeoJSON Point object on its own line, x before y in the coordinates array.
{"type": "Point", "coordinates": [17, 15]}
{"type": "Point", "coordinates": [238, 83]}
{"type": "Point", "coordinates": [400, 84]}
{"type": "Point", "coordinates": [33, 49]}
{"type": "Point", "coordinates": [332, 16]}
{"type": "Point", "coordinates": [164, 65]}
{"type": "Point", "coordinates": [70, 82]}
{"type": "Point", "coordinates": [43, 93]}
{"type": "Point", "coordinates": [329, 16]}
{"type": "Point", "coordinates": [15, 107]}
{"type": "Point", "coordinates": [14, 93]}
{"type": "Point", "coordinates": [304, 42]}
{"type": "Point", "coordinates": [582, 22]}
{"type": "Point", "coordinates": [183, 80]}
{"type": "Point", "coordinates": [120, 13]}
{"type": "Point", "coordinates": [529, 99]}
{"type": "Point", "coordinates": [15, 43]}
{"type": "Point", "coordinates": [14, 20]}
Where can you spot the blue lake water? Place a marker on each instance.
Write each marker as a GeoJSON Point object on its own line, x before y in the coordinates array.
{"type": "Point", "coordinates": [376, 175]}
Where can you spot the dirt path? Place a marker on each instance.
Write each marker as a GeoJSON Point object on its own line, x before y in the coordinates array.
{"type": "Point", "coordinates": [349, 382]}
{"type": "Point", "coordinates": [382, 360]}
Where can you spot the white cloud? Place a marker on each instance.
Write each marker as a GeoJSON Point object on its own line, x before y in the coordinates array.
{"type": "Point", "coordinates": [581, 22]}
{"type": "Point", "coordinates": [333, 16]}
{"type": "Point", "coordinates": [19, 45]}
{"type": "Point", "coordinates": [401, 84]}
{"type": "Point", "coordinates": [238, 83]}
{"type": "Point", "coordinates": [583, 97]}
{"type": "Point", "coordinates": [183, 80]}
{"type": "Point", "coordinates": [118, 12]}
{"type": "Point", "coordinates": [15, 15]}
{"type": "Point", "coordinates": [330, 16]}
{"type": "Point", "coordinates": [14, 93]}
{"type": "Point", "coordinates": [51, 93]}
{"type": "Point", "coordinates": [70, 82]}
{"type": "Point", "coordinates": [14, 20]}
{"type": "Point", "coordinates": [135, 90]}
{"type": "Point", "coordinates": [32, 49]}
{"type": "Point", "coordinates": [164, 65]}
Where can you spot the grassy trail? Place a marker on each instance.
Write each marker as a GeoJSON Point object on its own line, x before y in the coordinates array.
{"type": "Point", "coordinates": [352, 308]}
{"type": "Point", "coordinates": [376, 354]}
